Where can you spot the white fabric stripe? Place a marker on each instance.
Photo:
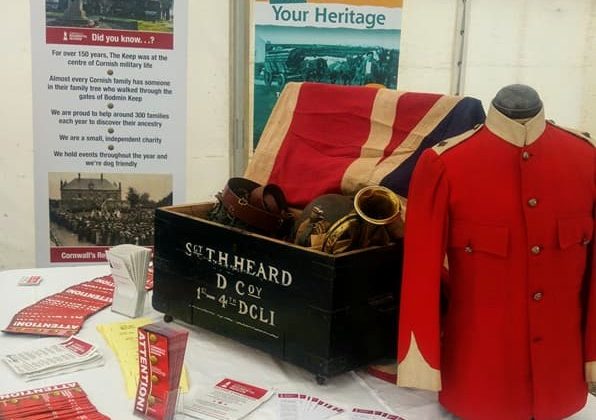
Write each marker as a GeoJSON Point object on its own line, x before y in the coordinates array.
{"type": "Point", "coordinates": [261, 164]}
{"type": "Point", "coordinates": [427, 124]}
{"type": "Point", "coordinates": [381, 129]}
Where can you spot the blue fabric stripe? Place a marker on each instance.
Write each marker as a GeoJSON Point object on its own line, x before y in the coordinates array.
{"type": "Point", "coordinates": [463, 117]}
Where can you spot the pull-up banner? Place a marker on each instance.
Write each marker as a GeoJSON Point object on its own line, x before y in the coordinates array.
{"type": "Point", "coordinates": [109, 113]}
{"type": "Point", "coordinates": [342, 42]}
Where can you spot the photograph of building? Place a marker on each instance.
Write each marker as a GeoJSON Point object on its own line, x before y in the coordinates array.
{"type": "Point", "coordinates": [105, 209]}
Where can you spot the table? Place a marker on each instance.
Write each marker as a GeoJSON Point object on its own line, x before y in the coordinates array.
{"type": "Point", "coordinates": [209, 357]}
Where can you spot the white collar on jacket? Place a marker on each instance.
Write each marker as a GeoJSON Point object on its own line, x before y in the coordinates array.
{"type": "Point", "coordinates": [516, 132]}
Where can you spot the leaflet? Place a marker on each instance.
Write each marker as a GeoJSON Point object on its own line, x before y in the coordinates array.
{"type": "Point", "coordinates": [70, 355]}
{"type": "Point", "coordinates": [161, 348]}
{"type": "Point", "coordinates": [63, 401]}
{"type": "Point", "coordinates": [122, 338]}
{"type": "Point", "coordinates": [228, 399]}
{"type": "Point", "coordinates": [296, 406]}
{"type": "Point", "coordinates": [63, 314]}
{"type": "Point", "coordinates": [365, 414]}
{"type": "Point", "coordinates": [30, 281]}
{"type": "Point", "coordinates": [129, 265]}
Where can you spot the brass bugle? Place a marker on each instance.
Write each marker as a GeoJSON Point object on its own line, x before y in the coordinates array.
{"type": "Point", "coordinates": [377, 205]}
{"type": "Point", "coordinates": [376, 220]}
{"type": "Point", "coordinates": [380, 209]}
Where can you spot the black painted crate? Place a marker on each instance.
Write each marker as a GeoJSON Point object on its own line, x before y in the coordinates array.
{"type": "Point", "coordinates": [327, 314]}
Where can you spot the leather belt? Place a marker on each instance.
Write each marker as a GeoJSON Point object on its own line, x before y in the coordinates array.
{"type": "Point", "coordinates": [262, 207]}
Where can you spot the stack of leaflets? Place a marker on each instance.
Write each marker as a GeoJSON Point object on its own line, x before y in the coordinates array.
{"type": "Point", "coordinates": [63, 314]}
{"type": "Point", "coordinates": [122, 337]}
{"type": "Point", "coordinates": [64, 401]}
{"type": "Point", "coordinates": [129, 265]}
{"type": "Point", "coordinates": [295, 406]}
{"type": "Point", "coordinates": [161, 349]}
{"type": "Point", "coordinates": [227, 400]}
{"type": "Point", "coordinates": [68, 356]}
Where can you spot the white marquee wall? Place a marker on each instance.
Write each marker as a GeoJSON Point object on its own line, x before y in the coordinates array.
{"type": "Point", "coordinates": [547, 44]}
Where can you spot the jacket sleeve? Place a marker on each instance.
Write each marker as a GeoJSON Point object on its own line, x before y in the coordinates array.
{"type": "Point", "coordinates": [424, 250]}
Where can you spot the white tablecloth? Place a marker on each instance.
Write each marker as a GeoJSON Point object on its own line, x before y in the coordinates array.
{"type": "Point", "coordinates": [209, 357]}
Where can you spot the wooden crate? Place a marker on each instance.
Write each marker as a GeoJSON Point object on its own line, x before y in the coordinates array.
{"type": "Point", "coordinates": [325, 313]}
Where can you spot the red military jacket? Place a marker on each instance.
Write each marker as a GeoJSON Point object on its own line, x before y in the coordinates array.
{"type": "Point", "coordinates": [511, 333]}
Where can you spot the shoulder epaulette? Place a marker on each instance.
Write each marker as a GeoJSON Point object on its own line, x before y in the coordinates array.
{"type": "Point", "coordinates": [584, 135]}
{"type": "Point", "coordinates": [443, 146]}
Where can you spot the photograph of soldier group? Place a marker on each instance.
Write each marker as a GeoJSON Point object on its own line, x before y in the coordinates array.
{"type": "Point", "coordinates": [338, 64]}
{"type": "Point", "coordinates": [93, 209]}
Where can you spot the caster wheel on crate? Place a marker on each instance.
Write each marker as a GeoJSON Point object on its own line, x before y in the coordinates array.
{"type": "Point", "coordinates": [168, 318]}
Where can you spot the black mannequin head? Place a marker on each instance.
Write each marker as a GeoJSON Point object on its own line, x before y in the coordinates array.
{"type": "Point", "coordinates": [517, 101]}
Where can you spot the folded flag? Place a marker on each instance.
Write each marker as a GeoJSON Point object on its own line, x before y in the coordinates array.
{"type": "Point", "coordinates": [324, 138]}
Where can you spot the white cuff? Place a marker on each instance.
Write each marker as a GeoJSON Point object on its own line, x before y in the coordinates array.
{"type": "Point", "coordinates": [415, 372]}
{"type": "Point", "coordinates": [590, 371]}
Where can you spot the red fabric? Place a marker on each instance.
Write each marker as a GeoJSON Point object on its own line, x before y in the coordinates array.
{"type": "Point", "coordinates": [411, 108]}
{"type": "Point", "coordinates": [503, 351]}
{"type": "Point", "coordinates": [426, 219]}
{"type": "Point", "coordinates": [317, 132]}
{"type": "Point", "coordinates": [328, 128]}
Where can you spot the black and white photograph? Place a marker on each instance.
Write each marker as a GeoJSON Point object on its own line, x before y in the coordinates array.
{"type": "Point", "coordinates": [97, 209]}
{"type": "Point", "coordinates": [132, 15]}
